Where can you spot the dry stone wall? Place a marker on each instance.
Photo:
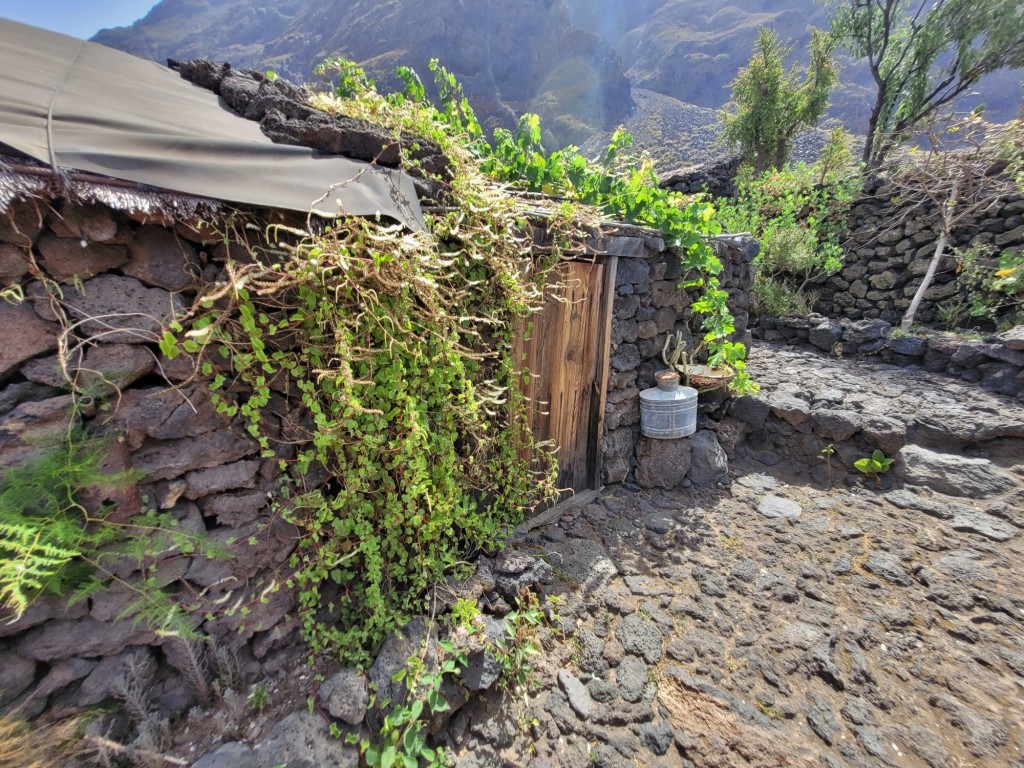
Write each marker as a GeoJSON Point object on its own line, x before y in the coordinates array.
{"type": "Point", "coordinates": [648, 307]}
{"type": "Point", "coordinates": [888, 251]}
{"type": "Point", "coordinates": [995, 362]}
{"type": "Point", "coordinates": [118, 280]}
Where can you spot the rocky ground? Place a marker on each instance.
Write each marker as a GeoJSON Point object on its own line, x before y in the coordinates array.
{"type": "Point", "coordinates": [795, 615]}
{"type": "Point", "coordinates": [783, 621]}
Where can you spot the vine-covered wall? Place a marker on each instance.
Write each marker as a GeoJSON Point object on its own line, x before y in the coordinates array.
{"type": "Point", "coordinates": [117, 279]}
{"type": "Point", "coordinates": [190, 462]}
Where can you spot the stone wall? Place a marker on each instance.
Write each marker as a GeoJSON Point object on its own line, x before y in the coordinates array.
{"type": "Point", "coordinates": [995, 362]}
{"type": "Point", "coordinates": [888, 251]}
{"type": "Point", "coordinates": [648, 307]}
{"type": "Point", "coordinates": [717, 178]}
{"type": "Point", "coordinates": [117, 278]}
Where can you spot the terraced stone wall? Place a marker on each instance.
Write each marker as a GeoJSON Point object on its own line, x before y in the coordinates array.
{"type": "Point", "coordinates": [995, 362]}
{"type": "Point", "coordinates": [889, 249]}
{"type": "Point", "coordinates": [116, 280]}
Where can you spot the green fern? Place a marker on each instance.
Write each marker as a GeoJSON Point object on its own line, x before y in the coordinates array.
{"type": "Point", "coordinates": [42, 528]}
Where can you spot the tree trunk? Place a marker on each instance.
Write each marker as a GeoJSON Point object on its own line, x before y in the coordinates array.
{"type": "Point", "coordinates": [933, 267]}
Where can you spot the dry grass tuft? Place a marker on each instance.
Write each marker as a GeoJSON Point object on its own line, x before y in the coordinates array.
{"type": "Point", "coordinates": [35, 746]}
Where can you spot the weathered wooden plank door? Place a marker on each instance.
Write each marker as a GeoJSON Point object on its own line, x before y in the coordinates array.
{"type": "Point", "coordinates": [566, 353]}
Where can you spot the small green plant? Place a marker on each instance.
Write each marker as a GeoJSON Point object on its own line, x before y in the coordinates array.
{"type": "Point", "coordinates": [403, 734]}
{"type": "Point", "coordinates": [874, 465]}
{"type": "Point", "coordinates": [466, 614]}
{"type": "Point", "coordinates": [259, 698]}
{"type": "Point", "coordinates": [515, 650]}
{"type": "Point", "coordinates": [826, 455]}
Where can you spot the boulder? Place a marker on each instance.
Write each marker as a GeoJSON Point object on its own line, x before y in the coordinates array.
{"type": "Point", "coordinates": [826, 335]}
{"type": "Point", "coordinates": [662, 463]}
{"type": "Point", "coordinates": [345, 695]}
{"type": "Point", "coordinates": [708, 462]}
{"type": "Point", "coordinates": [954, 475]}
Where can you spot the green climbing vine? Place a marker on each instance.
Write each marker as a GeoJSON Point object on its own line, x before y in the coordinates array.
{"type": "Point", "coordinates": [621, 186]}
{"type": "Point", "coordinates": [412, 447]}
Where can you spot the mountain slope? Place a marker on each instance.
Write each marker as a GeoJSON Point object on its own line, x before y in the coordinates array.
{"type": "Point", "coordinates": [572, 61]}
{"type": "Point", "coordinates": [510, 55]}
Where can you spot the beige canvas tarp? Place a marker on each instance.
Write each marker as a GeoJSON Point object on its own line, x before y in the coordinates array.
{"type": "Point", "coordinates": [83, 106]}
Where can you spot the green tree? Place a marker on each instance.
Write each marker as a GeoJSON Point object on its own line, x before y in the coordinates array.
{"type": "Point", "coordinates": [771, 106]}
{"type": "Point", "coordinates": [924, 54]}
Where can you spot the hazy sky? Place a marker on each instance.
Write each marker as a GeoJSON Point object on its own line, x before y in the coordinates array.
{"type": "Point", "coordinates": [80, 18]}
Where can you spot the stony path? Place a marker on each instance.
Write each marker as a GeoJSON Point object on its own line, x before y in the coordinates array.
{"type": "Point", "coordinates": [783, 621]}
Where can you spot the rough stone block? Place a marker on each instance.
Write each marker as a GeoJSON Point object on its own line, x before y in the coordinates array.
{"type": "Point", "coordinates": [624, 331]}
{"type": "Point", "coordinates": [85, 637]}
{"type": "Point", "coordinates": [22, 224]}
{"type": "Point", "coordinates": [913, 346]}
{"type": "Point", "coordinates": [66, 259]}
{"type": "Point", "coordinates": [662, 463]}
{"type": "Point", "coordinates": [708, 464]}
{"type": "Point", "coordinates": [241, 474]}
{"type": "Point", "coordinates": [626, 357]}
{"type": "Point", "coordinates": [23, 335]}
{"type": "Point", "coordinates": [159, 258]}
{"type": "Point", "coordinates": [14, 264]}
{"type": "Point", "coordinates": [825, 335]}
{"type": "Point", "coordinates": [617, 454]}
{"type": "Point", "coordinates": [116, 309]}
{"type": "Point", "coordinates": [165, 459]}
{"type": "Point", "coordinates": [632, 272]}
{"type": "Point", "coordinates": [94, 223]}
{"type": "Point", "coordinates": [1013, 237]}
{"type": "Point", "coordinates": [234, 508]}
{"type": "Point", "coordinates": [166, 414]}
{"type": "Point", "coordinates": [954, 475]}
{"type": "Point", "coordinates": [33, 427]}
{"type": "Point", "coordinates": [1013, 338]}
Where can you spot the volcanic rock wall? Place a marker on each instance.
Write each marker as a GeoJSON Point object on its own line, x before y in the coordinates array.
{"type": "Point", "coordinates": [648, 307]}
{"type": "Point", "coordinates": [114, 281]}
{"type": "Point", "coordinates": [83, 348]}
{"type": "Point", "coordinates": [889, 248]}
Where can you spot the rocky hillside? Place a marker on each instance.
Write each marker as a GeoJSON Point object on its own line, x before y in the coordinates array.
{"type": "Point", "coordinates": [511, 56]}
{"type": "Point", "coordinates": [584, 65]}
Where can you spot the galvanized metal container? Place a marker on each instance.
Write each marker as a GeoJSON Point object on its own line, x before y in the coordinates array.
{"type": "Point", "coordinates": [668, 410]}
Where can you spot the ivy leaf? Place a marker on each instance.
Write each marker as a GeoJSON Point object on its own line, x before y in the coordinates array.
{"type": "Point", "coordinates": [169, 345]}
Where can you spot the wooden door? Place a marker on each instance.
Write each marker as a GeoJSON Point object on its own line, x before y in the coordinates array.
{"type": "Point", "coordinates": [566, 353]}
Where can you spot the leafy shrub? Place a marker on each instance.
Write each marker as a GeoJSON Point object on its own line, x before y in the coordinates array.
{"type": "Point", "coordinates": [798, 216]}
{"type": "Point", "coordinates": [993, 290]}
